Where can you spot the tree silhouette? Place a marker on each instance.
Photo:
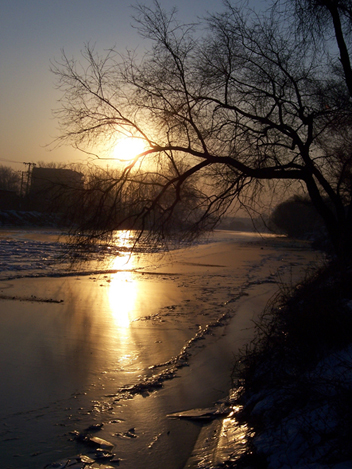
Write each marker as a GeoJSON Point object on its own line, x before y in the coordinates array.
{"type": "Point", "coordinates": [224, 107]}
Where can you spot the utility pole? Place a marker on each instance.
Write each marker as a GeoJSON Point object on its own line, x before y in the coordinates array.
{"type": "Point", "coordinates": [28, 176]}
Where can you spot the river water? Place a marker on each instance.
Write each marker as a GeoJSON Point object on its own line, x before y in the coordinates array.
{"type": "Point", "coordinates": [126, 342]}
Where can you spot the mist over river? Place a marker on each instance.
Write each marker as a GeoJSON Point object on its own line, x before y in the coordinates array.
{"type": "Point", "coordinates": [125, 342]}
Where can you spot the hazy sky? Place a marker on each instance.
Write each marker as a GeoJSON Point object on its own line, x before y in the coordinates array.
{"type": "Point", "coordinates": [33, 33]}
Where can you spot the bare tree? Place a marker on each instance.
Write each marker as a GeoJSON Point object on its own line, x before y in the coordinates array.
{"type": "Point", "coordinates": [50, 164]}
{"type": "Point", "coordinates": [223, 110]}
{"type": "Point", "coordinates": [10, 179]}
{"type": "Point", "coordinates": [326, 23]}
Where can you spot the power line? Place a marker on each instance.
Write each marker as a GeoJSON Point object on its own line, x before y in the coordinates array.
{"type": "Point", "coordinates": [10, 161]}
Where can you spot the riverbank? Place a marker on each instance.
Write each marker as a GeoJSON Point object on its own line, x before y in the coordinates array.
{"type": "Point", "coordinates": [127, 345]}
{"type": "Point", "coordinates": [296, 380]}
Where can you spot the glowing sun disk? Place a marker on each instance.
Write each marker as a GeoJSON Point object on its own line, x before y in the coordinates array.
{"type": "Point", "coordinates": [128, 148]}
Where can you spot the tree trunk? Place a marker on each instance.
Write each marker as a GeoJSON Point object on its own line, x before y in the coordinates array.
{"type": "Point", "coordinates": [344, 55]}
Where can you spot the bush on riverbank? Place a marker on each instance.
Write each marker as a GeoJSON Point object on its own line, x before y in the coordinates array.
{"type": "Point", "coordinates": [297, 376]}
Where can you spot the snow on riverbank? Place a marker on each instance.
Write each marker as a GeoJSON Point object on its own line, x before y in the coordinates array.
{"type": "Point", "coordinates": [298, 383]}
{"type": "Point", "coordinates": [309, 432]}
{"type": "Point", "coordinates": [19, 254]}
{"type": "Point", "coordinates": [45, 252]}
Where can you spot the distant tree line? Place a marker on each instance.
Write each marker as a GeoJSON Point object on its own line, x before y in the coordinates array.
{"type": "Point", "coordinates": [85, 196]}
{"type": "Point", "coordinates": [297, 217]}
{"type": "Point", "coordinates": [10, 180]}
{"type": "Point", "coordinates": [90, 201]}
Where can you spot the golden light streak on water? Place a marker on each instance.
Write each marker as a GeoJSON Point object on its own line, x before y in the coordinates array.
{"type": "Point", "coordinates": [122, 297]}
{"type": "Point", "coordinates": [123, 238]}
{"type": "Point", "coordinates": [123, 287]}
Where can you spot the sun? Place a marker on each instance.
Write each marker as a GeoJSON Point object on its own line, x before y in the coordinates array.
{"type": "Point", "coordinates": [128, 148]}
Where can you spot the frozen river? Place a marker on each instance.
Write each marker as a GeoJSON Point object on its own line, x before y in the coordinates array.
{"type": "Point", "coordinates": [125, 343]}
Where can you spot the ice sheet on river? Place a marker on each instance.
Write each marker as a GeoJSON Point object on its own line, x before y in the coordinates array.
{"type": "Point", "coordinates": [109, 352]}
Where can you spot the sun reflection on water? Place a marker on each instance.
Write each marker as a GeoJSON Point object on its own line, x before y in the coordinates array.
{"type": "Point", "coordinates": [123, 287]}
{"type": "Point", "coordinates": [122, 293]}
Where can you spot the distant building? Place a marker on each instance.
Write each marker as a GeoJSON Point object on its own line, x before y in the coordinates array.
{"type": "Point", "coordinates": [54, 189]}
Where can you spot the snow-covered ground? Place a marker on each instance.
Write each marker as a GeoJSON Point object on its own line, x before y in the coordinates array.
{"type": "Point", "coordinates": [30, 252]}
{"type": "Point", "coordinates": [45, 252]}
{"type": "Point", "coordinates": [311, 433]}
